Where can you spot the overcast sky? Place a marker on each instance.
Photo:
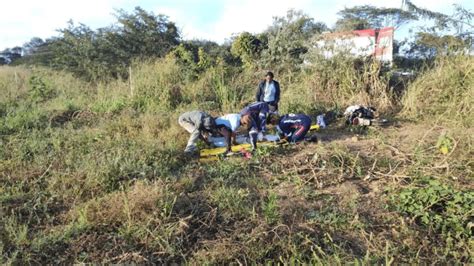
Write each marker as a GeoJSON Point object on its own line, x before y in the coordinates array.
{"type": "Point", "coordinates": [215, 20]}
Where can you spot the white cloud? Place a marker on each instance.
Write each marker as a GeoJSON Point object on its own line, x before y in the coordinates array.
{"type": "Point", "coordinates": [255, 16]}
{"type": "Point", "coordinates": [27, 19]}
{"type": "Point", "coordinates": [24, 19]}
{"type": "Point", "coordinates": [186, 23]}
{"type": "Point", "coordinates": [250, 15]}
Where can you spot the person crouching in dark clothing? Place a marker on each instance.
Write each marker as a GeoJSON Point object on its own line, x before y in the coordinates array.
{"type": "Point", "coordinates": [291, 127]}
{"type": "Point", "coordinates": [258, 111]}
{"type": "Point", "coordinates": [269, 92]}
{"type": "Point", "coordinates": [251, 126]}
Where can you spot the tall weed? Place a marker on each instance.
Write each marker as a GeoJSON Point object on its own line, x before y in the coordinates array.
{"type": "Point", "coordinates": [443, 93]}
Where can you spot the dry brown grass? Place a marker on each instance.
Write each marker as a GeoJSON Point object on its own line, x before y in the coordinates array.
{"type": "Point", "coordinates": [135, 204]}
{"type": "Point", "coordinates": [444, 93]}
{"type": "Point", "coordinates": [337, 83]}
{"type": "Point", "coordinates": [110, 185]}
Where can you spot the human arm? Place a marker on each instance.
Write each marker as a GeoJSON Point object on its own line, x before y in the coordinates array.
{"type": "Point", "coordinates": [204, 136]}
{"type": "Point", "coordinates": [234, 138]}
{"type": "Point", "coordinates": [227, 136]}
{"type": "Point", "coordinates": [259, 92]}
{"type": "Point", "coordinates": [277, 92]}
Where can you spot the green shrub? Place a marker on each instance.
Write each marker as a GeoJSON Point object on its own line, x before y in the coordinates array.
{"type": "Point", "coordinates": [270, 209]}
{"type": "Point", "coordinates": [440, 209]}
{"type": "Point", "coordinates": [40, 89]}
{"type": "Point", "coordinates": [113, 106]}
{"type": "Point", "coordinates": [24, 119]}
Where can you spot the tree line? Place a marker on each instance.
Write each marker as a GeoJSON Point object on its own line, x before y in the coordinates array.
{"type": "Point", "coordinates": [106, 53]}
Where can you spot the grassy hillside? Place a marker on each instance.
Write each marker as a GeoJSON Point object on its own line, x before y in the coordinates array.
{"type": "Point", "coordinates": [94, 172]}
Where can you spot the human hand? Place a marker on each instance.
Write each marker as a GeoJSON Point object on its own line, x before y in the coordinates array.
{"type": "Point", "coordinates": [229, 153]}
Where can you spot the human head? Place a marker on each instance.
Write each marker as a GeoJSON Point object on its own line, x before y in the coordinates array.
{"type": "Point", "coordinates": [269, 76]}
{"type": "Point", "coordinates": [273, 119]}
{"type": "Point", "coordinates": [209, 124]}
{"type": "Point", "coordinates": [246, 121]}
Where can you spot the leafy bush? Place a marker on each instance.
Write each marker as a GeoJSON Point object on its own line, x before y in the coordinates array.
{"type": "Point", "coordinates": [23, 119]}
{"type": "Point", "coordinates": [441, 209]}
{"type": "Point", "coordinates": [40, 89]}
{"type": "Point", "coordinates": [270, 209]}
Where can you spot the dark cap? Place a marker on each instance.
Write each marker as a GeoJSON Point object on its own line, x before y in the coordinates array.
{"type": "Point", "coordinates": [209, 123]}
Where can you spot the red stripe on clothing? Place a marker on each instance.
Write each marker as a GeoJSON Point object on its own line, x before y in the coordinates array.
{"type": "Point", "coordinates": [300, 130]}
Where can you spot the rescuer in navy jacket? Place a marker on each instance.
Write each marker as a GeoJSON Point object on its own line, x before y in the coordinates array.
{"type": "Point", "coordinates": [292, 127]}
{"type": "Point", "coordinates": [254, 118]}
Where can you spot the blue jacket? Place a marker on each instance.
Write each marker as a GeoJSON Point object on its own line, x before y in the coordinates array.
{"type": "Point", "coordinates": [258, 111]}
{"type": "Point", "coordinates": [294, 126]}
{"type": "Point", "coordinates": [261, 91]}
{"type": "Point", "coordinates": [255, 108]}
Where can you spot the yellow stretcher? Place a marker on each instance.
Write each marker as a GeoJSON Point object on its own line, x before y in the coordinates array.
{"type": "Point", "coordinates": [314, 127]}
{"type": "Point", "coordinates": [237, 148]}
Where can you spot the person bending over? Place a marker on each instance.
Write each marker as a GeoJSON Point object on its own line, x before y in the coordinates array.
{"type": "Point", "coordinates": [251, 126]}
{"type": "Point", "coordinates": [291, 127]}
{"type": "Point", "coordinates": [200, 125]}
{"type": "Point", "coordinates": [258, 111]}
{"type": "Point", "coordinates": [232, 123]}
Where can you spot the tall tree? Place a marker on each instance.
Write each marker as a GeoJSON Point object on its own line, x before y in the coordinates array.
{"type": "Point", "coordinates": [288, 40]}
{"type": "Point", "coordinates": [38, 52]}
{"type": "Point", "coordinates": [366, 16]}
{"type": "Point", "coordinates": [10, 55]}
{"type": "Point", "coordinates": [449, 33]}
{"type": "Point", "coordinates": [248, 48]}
{"type": "Point", "coordinates": [31, 46]}
{"type": "Point", "coordinates": [106, 52]}
{"type": "Point", "coordinates": [144, 34]}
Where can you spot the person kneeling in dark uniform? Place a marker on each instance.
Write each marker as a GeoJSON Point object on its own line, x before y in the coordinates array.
{"type": "Point", "coordinates": [291, 127]}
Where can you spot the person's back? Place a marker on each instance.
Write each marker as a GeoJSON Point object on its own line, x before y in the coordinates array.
{"type": "Point", "coordinates": [294, 126]}
{"type": "Point", "coordinates": [255, 108]}
{"type": "Point", "coordinates": [196, 122]}
{"type": "Point", "coordinates": [231, 121]}
{"type": "Point", "coordinates": [258, 111]}
{"type": "Point", "coordinates": [295, 118]}
{"type": "Point", "coordinates": [193, 117]}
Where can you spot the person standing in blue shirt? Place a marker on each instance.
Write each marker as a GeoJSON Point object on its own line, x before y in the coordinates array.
{"type": "Point", "coordinates": [269, 92]}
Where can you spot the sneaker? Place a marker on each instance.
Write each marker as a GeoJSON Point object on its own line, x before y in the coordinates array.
{"type": "Point", "coordinates": [312, 138]}
{"type": "Point", "coordinates": [364, 122]}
